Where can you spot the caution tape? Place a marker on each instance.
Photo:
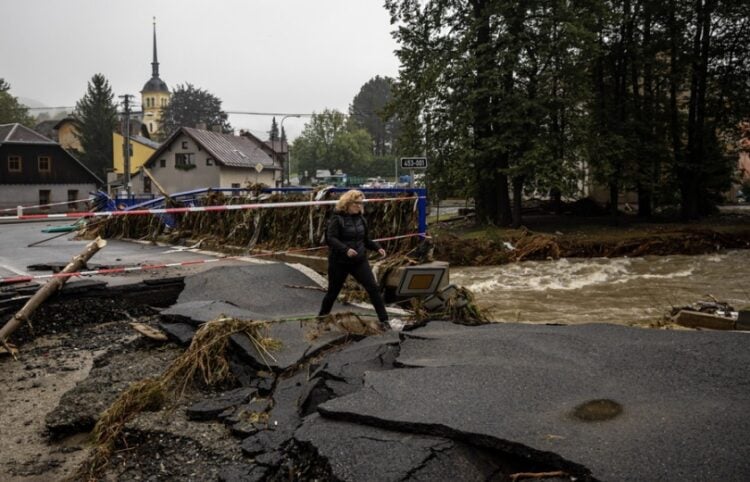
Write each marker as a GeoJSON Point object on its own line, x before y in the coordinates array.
{"type": "Point", "coordinates": [36, 206]}
{"type": "Point", "coordinates": [180, 264]}
{"type": "Point", "coordinates": [193, 209]}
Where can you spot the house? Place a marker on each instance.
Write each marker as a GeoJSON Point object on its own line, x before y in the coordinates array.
{"type": "Point", "coordinates": [278, 149]}
{"type": "Point", "coordinates": [195, 158]}
{"type": "Point", "coordinates": [141, 148]}
{"type": "Point", "coordinates": [37, 170]}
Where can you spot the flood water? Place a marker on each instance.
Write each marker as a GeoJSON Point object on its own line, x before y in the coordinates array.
{"type": "Point", "coordinates": [601, 290]}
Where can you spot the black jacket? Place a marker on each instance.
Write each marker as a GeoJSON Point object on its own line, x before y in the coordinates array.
{"type": "Point", "coordinates": [347, 231]}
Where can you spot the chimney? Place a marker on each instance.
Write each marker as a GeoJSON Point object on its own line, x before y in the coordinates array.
{"type": "Point", "coordinates": [216, 129]}
{"type": "Point", "coordinates": [201, 126]}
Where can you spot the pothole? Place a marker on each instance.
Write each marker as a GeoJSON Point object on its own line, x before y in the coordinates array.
{"type": "Point", "coordinates": [597, 410]}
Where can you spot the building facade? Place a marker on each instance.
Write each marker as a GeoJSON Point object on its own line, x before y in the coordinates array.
{"type": "Point", "coordinates": [195, 158]}
{"type": "Point", "coordinates": [36, 170]}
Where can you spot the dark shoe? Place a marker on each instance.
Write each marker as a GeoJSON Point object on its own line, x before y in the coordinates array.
{"type": "Point", "coordinates": [385, 326]}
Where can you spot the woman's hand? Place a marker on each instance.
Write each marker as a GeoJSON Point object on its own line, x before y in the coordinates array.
{"type": "Point", "coordinates": [381, 251]}
{"type": "Point", "coordinates": [351, 253]}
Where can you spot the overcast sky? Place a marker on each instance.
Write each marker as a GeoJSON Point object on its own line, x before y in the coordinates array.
{"type": "Point", "coordinates": [292, 56]}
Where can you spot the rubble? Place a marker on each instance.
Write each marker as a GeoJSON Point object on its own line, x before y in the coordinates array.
{"type": "Point", "coordinates": [441, 402]}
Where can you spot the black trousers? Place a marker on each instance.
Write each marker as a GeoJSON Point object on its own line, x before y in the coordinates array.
{"type": "Point", "coordinates": [337, 273]}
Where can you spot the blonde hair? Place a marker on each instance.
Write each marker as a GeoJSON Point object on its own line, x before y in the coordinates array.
{"type": "Point", "coordinates": [347, 199]}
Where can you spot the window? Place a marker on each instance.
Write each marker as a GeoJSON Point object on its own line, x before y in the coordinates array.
{"type": "Point", "coordinates": [14, 163]}
{"type": "Point", "coordinates": [72, 196]}
{"type": "Point", "coordinates": [184, 159]}
{"type": "Point", "coordinates": [235, 185]}
{"type": "Point", "coordinates": [153, 104]}
{"type": "Point", "coordinates": [45, 164]}
{"type": "Point", "coordinates": [147, 184]}
{"type": "Point", "coordinates": [184, 144]}
{"type": "Point", "coordinates": [45, 197]}
{"type": "Point", "coordinates": [151, 127]}
{"type": "Point", "coordinates": [163, 101]}
{"type": "Point", "coordinates": [209, 161]}
{"type": "Point", "coordinates": [162, 163]}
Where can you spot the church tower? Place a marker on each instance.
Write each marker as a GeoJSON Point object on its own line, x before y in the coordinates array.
{"type": "Point", "coordinates": [154, 96]}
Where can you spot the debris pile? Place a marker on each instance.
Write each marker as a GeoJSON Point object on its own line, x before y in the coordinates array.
{"type": "Point", "coordinates": [295, 227]}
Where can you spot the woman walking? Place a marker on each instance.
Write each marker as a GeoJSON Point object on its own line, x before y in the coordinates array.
{"type": "Point", "coordinates": [348, 240]}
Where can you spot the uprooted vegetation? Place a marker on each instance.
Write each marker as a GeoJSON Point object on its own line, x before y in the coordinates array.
{"type": "Point", "coordinates": [271, 229]}
{"type": "Point", "coordinates": [465, 245]}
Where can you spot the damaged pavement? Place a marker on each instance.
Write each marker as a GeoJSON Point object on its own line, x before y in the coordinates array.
{"type": "Point", "coordinates": [441, 402]}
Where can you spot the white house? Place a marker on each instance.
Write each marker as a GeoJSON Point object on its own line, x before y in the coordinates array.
{"type": "Point", "coordinates": [194, 158]}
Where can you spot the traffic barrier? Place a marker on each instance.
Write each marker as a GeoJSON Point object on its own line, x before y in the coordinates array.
{"type": "Point", "coordinates": [194, 209]}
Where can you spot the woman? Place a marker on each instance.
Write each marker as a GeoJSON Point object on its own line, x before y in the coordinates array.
{"type": "Point", "coordinates": [348, 240]}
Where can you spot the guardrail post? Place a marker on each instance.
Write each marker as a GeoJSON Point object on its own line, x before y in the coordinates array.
{"type": "Point", "coordinates": [422, 210]}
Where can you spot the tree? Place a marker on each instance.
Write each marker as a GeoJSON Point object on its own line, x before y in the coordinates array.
{"type": "Point", "coordinates": [328, 141]}
{"type": "Point", "coordinates": [191, 106]}
{"type": "Point", "coordinates": [487, 87]}
{"type": "Point", "coordinates": [368, 111]}
{"type": "Point", "coordinates": [95, 117]}
{"type": "Point", "coordinates": [11, 110]}
{"type": "Point", "coordinates": [273, 134]}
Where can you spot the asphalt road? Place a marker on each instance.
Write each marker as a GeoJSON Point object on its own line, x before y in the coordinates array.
{"type": "Point", "coordinates": [682, 396]}
{"type": "Point", "coordinates": [16, 256]}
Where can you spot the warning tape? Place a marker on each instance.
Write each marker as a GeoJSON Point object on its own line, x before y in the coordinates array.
{"type": "Point", "coordinates": [151, 267]}
{"type": "Point", "coordinates": [195, 209]}
{"type": "Point", "coordinates": [47, 205]}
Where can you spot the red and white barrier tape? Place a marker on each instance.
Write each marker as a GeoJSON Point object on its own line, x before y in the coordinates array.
{"type": "Point", "coordinates": [196, 209]}
{"type": "Point", "coordinates": [150, 267]}
{"type": "Point", "coordinates": [47, 205]}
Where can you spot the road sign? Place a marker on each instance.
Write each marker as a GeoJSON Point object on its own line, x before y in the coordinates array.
{"type": "Point", "coordinates": [413, 163]}
{"type": "Point", "coordinates": [259, 167]}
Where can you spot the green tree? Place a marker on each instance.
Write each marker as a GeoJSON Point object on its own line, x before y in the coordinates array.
{"type": "Point", "coordinates": [328, 141]}
{"type": "Point", "coordinates": [11, 110]}
{"type": "Point", "coordinates": [95, 117]}
{"type": "Point", "coordinates": [190, 106]}
{"type": "Point", "coordinates": [273, 134]}
{"type": "Point", "coordinates": [491, 90]}
{"type": "Point", "coordinates": [368, 111]}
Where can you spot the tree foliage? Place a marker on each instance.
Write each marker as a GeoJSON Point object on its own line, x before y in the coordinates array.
{"type": "Point", "coordinates": [273, 134]}
{"type": "Point", "coordinates": [508, 97]}
{"type": "Point", "coordinates": [329, 141]}
{"type": "Point", "coordinates": [11, 110]}
{"type": "Point", "coordinates": [95, 117]}
{"type": "Point", "coordinates": [368, 110]}
{"type": "Point", "coordinates": [190, 106]}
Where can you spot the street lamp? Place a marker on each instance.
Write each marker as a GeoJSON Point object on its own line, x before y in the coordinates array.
{"type": "Point", "coordinates": [288, 151]}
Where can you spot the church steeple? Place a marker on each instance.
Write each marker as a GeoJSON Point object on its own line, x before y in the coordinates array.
{"type": "Point", "coordinates": [155, 63]}
{"type": "Point", "coordinates": [154, 95]}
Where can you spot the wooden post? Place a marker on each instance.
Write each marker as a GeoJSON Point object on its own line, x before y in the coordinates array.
{"type": "Point", "coordinates": [49, 289]}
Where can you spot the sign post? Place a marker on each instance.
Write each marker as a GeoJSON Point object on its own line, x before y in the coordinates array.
{"type": "Point", "coordinates": [412, 163]}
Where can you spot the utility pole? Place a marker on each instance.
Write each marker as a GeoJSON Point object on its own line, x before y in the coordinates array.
{"type": "Point", "coordinates": [126, 136]}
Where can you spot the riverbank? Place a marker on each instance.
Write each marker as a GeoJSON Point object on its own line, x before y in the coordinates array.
{"type": "Point", "coordinates": [545, 236]}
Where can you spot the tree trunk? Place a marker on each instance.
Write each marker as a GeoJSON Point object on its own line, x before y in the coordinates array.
{"type": "Point", "coordinates": [517, 200]}
{"type": "Point", "coordinates": [614, 198]}
{"type": "Point", "coordinates": [24, 314]}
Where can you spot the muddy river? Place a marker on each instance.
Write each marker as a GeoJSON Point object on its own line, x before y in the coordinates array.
{"type": "Point", "coordinates": [601, 290]}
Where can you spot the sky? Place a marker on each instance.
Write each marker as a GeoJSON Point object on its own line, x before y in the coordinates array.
{"type": "Point", "coordinates": [286, 56]}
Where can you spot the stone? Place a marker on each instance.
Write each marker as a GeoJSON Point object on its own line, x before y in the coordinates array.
{"type": "Point", "coordinates": [295, 346]}
{"type": "Point", "coordinates": [180, 333]}
{"type": "Point", "coordinates": [211, 408]}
